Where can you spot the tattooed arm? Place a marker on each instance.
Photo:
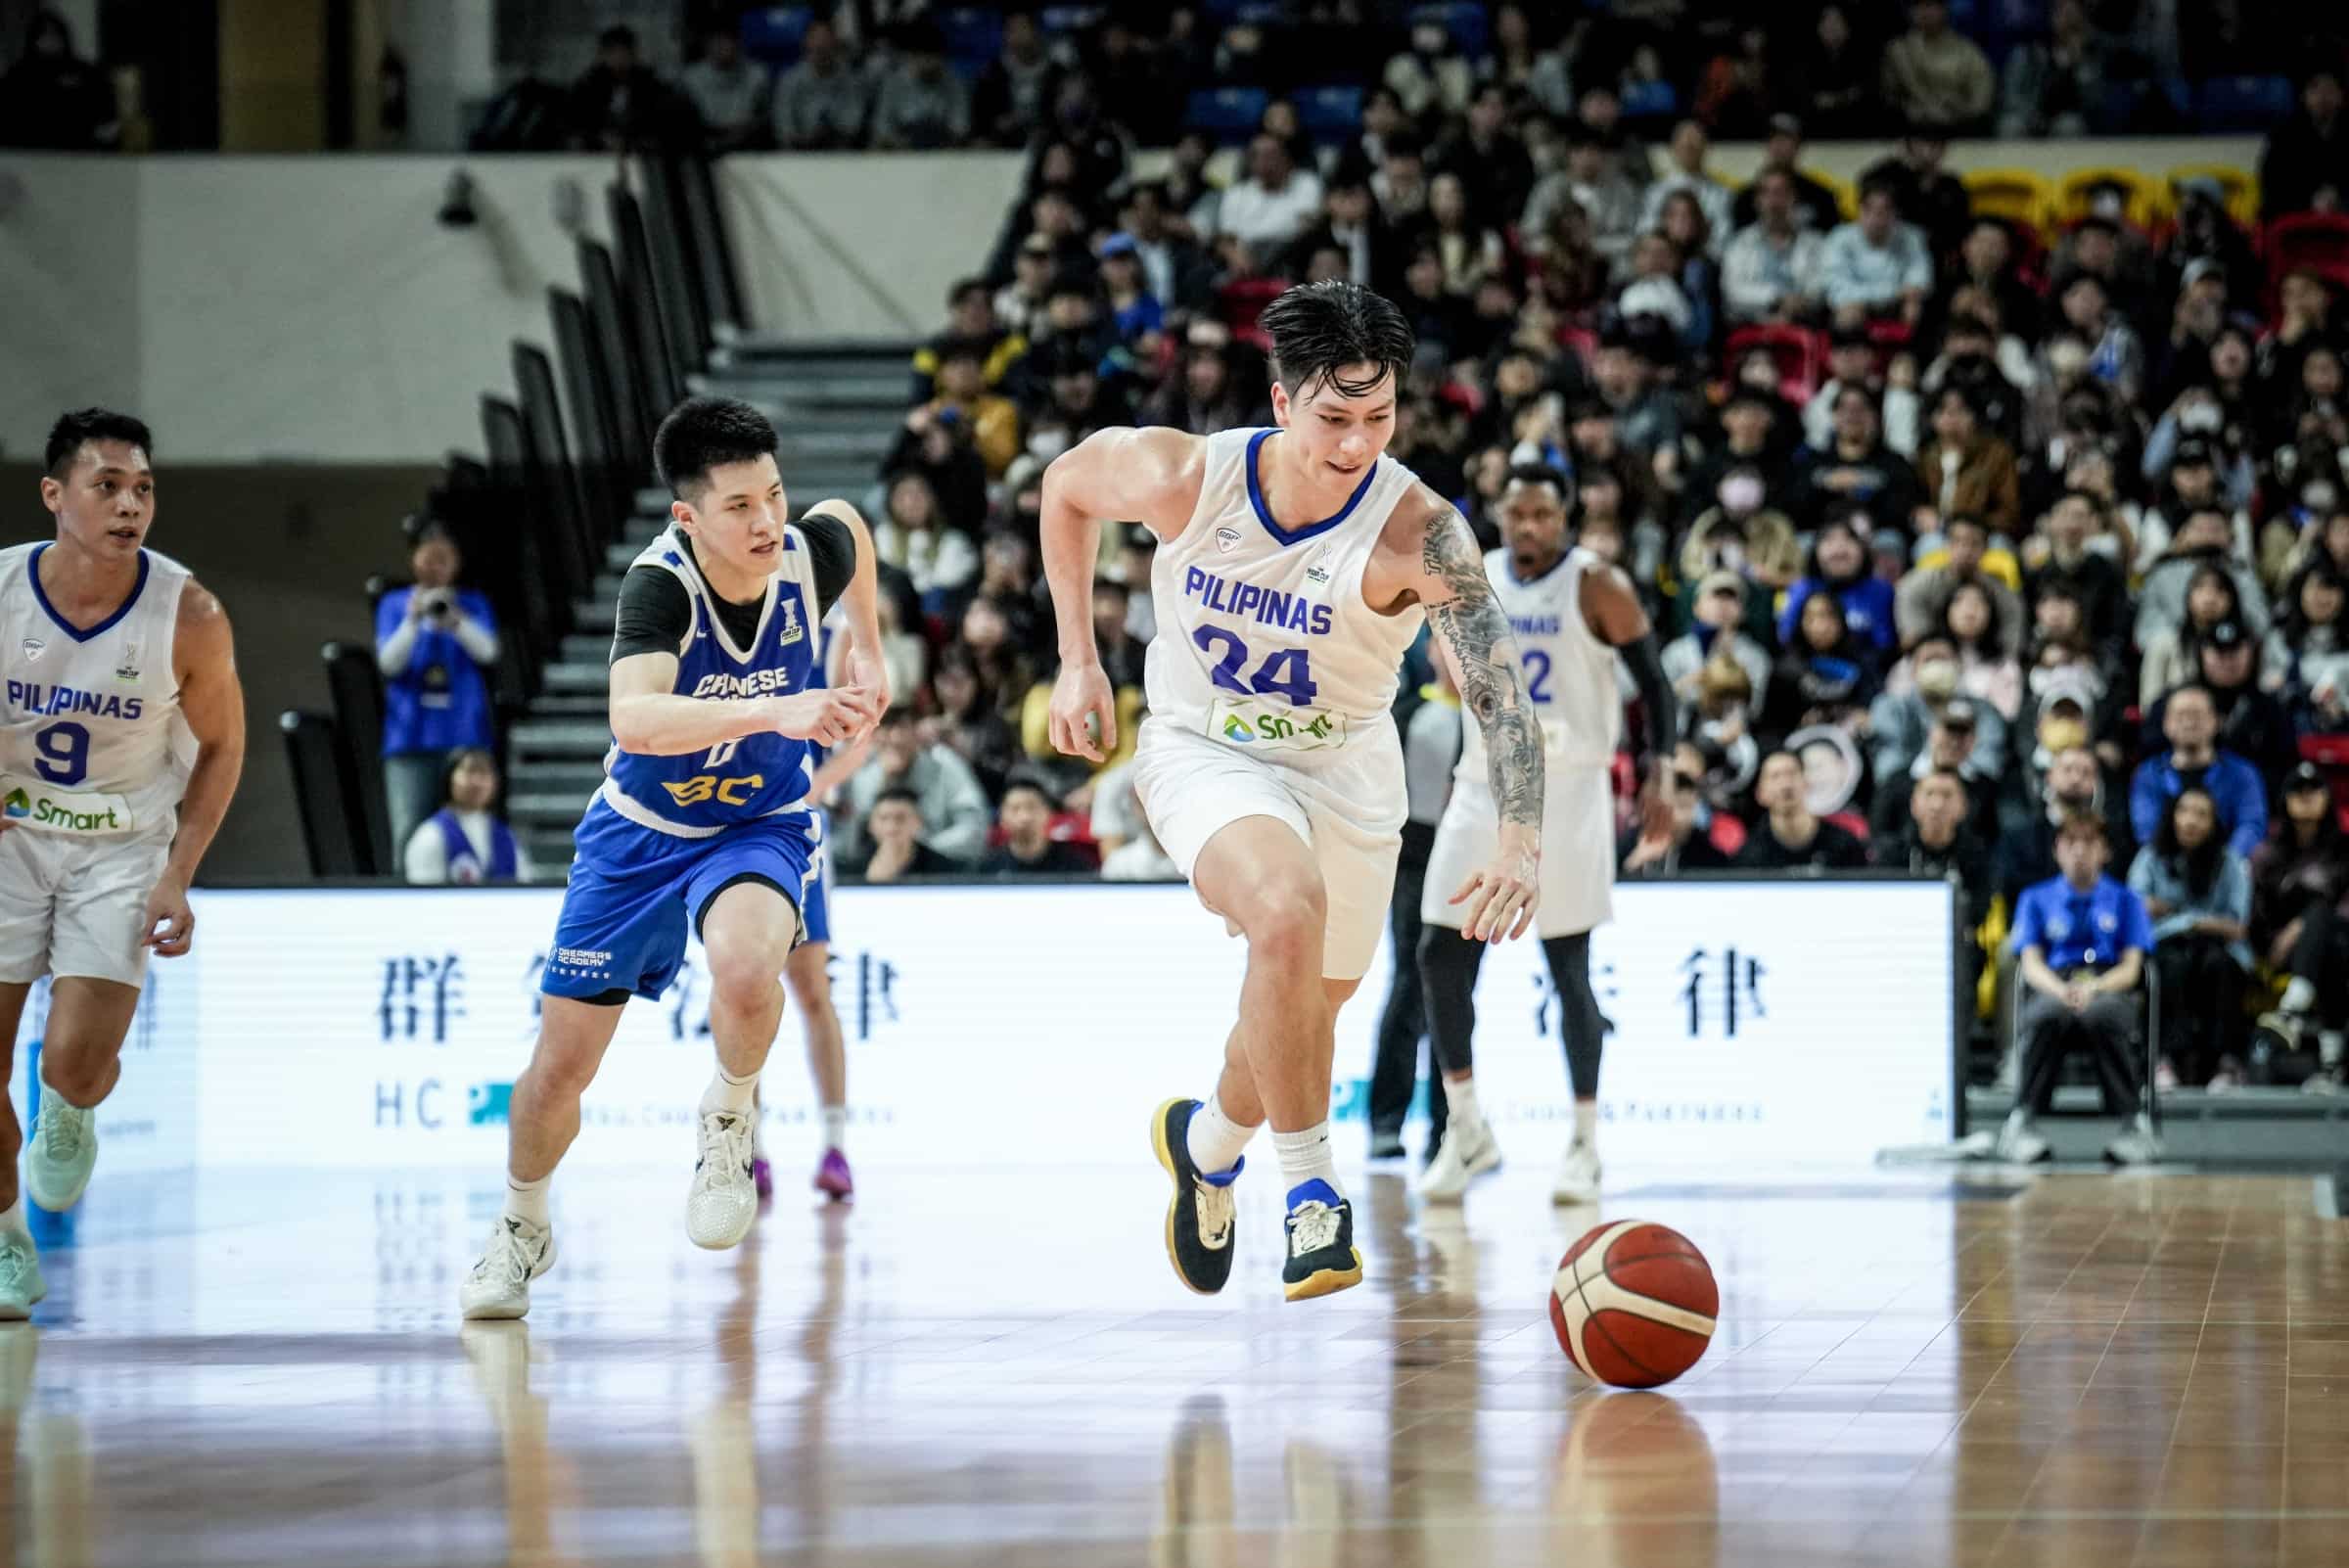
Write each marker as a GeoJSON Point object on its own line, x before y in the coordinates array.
{"type": "Point", "coordinates": [1448, 577]}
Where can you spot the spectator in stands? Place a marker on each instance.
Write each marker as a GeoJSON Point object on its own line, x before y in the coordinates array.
{"type": "Point", "coordinates": [914, 536]}
{"type": "Point", "coordinates": [466, 842]}
{"type": "Point", "coordinates": [2307, 656]}
{"type": "Point", "coordinates": [1020, 304]}
{"type": "Point", "coordinates": [51, 97]}
{"type": "Point", "coordinates": [2299, 898]}
{"type": "Point", "coordinates": [1987, 671]}
{"type": "Point", "coordinates": [1969, 362]}
{"type": "Point", "coordinates": [1717, 616]}
{"type": "Point", "coordinates": [1935, 840]}
{"type": "Point", "coordinates": [940, 449]}
{"type": "Point", "coordinates": [2305, 165]}
{"type": "Point", "coordinates": [1840, 79]}
{"type": "Point", "coordinates": [2194, 586]}
{"type": "Point", "coordinates": [1028, 848]}
{"type": "Point", "coordinates": [2072, 785]}
{"type": "Point", "coordinates": [1827, 675]}
{"type": "Point", "coordinates": [620, 105]}
{"type": "Point", "coordinates": [1854, 468]}
{"type": "Point", "coordinates": [1176, 270]}
{"type": "Point", "coordinates": [1489, 157]}
{"type": "Point", "coordinates": [1968, 471]}
{"type": "Point", "coordinates": [992, 420]}
{"type": "Point", "coordinates": [1851, 362]}
{"type": "Point", "coordinates": [1920, 692]}
{"type": "Point", "coordinates": [1876, 267]}
{"type": "Point", "coordinates": [1937, 77]}
{"type": "Point", "coordinates": [2198, 893]}
{"type": "Point", "coordinates": [1267, 212]}
{"type": "Point", "coordinates": [1399, 182]}
{"type": "Point", "coordinates": [1469, 249]}
{"type": "Point", "coordinates": [1771, 269]}
{"type": "Point", "coordinates": [2172, 654]}
{"type": "Point", "coordinates": [950, 803]}
{"type": "Point", "coordinates": [2189, 482]}
{"type": "Point", "coordinates": [2054, 86]}
{"type": "Point", "coordinates": [894, 830]}
{"type": "Point", "coordinates": [1789, 837]}
{"type": "Point", "coordinates": [1839, 569]}
{"type": "Point", "coordinates": [1688, 148]}
{"type": "Point", "coordinates": [1433, 75]}
{"type": "Point", "coordinates": [1748, 420]}
{"type": "Point", "coordinates": [2082, 939]}
{"type": "Point", "coordinates": [2193, 759]}
{"type": "Point", "coordinates": [728, 92]}
{"type": "Point", "coordinates": [2094, 581]}
{"type": "Point", "coordinates": [437, 645]}
{"type": "Point", "coordinates": [820, 104]}
{"type": "Point", "coordinates": [1014, 94]}
{"type": "Point", "coordinates": [918, 103]}
{"type": "Point", "coordinates": [1690, 846]}
{"type": "Point", "coordinates": [1653, 290]}
{"type": "Point", "coordinates": [970, 719]}
{"type": "Point", "coordinates": [970, 318]}
{"type": "Point", "coordinates": [2254, 724]}
{"type": "Point", "coordinates": [1741, 533]}
{"type": "Point", "coordinates": [2116, 354]}
{"type": "Point", "coordinates": [1594, 182]}
{"type": "Point", "coordinates": [1815, 206]}
{"type": "Point", "coordinates": [1647, 419]}
{"type": "Point", "coordinates": [1351, 224]}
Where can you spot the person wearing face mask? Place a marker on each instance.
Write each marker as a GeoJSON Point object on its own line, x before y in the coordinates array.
{"type": "Point", "coordinates": [1749, 424]}
{"type": "Point", "coordinates": [1840, 568]}
{"type": "Point", "coordinates": [2066, 709]}
{"type": "Point", "coordinates": [2193, 759]}
{"type": "Point", "coordinates": [1742, 533]}
{"type": "Point", "coordinates": [1919, 693]}
{"type": "Point", "coordinates": [2198, 892]}
{"type": "Point", "coordinates": [1922, 600]}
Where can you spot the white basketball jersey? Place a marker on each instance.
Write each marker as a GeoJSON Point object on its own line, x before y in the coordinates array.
{"type": "Point", "coordinates": [1263, 639]}
{"type": "Point", "coordinates": [92, 741]}
{"type": "Point", "coordinates": [1569, 673]}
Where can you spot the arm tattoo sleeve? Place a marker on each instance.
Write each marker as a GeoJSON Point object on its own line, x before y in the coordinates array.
{"type": "Point", "coordinates": [1492, 686]}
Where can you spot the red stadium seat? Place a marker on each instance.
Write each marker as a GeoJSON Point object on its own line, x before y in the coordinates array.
{"type": "Point", "coordinates": [2318, 241]}
{"type": "Point", "coordinates": [1241, 302]}
{"type": "Point", "coordinates": [2330, 753]}
{"type": "Point", "coordinates": [1800, 354]}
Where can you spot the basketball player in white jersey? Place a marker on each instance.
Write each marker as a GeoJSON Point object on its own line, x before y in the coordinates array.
{"type": "Point", "coordinates": [1296, 564]}
{"type": "Point", "coordinates": [122, 735]}
{"type": "Point", "coordinates": [1574, 617]}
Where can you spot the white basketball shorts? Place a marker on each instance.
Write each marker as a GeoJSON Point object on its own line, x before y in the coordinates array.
{"type": "Point", "coordinates": [1577, 853]}
{"type": "Point", "coordinates": [71, 904]}
{"type": "Point", "coordinates": [1350, 816]}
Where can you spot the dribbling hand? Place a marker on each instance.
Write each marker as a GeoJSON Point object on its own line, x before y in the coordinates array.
{"type": "Point", "coordinates": [1085, 713]}
{"type": "Point", "coordinates": [829, 716]}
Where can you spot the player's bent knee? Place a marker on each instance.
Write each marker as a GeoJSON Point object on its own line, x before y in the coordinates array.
{"type": "Point", "coordinates": [1287, 917]}
{"type": "Point", "coordinates": [744, 970]}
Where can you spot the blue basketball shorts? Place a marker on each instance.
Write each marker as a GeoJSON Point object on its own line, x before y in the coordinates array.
{"type": "Point", "coordinates": [635, 891]}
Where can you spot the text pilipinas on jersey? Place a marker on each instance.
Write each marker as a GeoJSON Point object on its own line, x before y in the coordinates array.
{"type": "Point", "coordinates": [52, 702]}
{"type": "Point", "coordinates": [1269, 606]}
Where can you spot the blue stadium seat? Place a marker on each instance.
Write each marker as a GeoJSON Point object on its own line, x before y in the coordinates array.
{"type": "Point", "coordinates": [1464, 20]}
{"type": "Point", "coordinates": [2244, 102]}
{"type": "Point", "coordinates": [1330, 113]}
{"type": "Point", "coordinates": [1650, 101]}
{"type": "Point", "coordinates": [971, 32]}
{"type": "Point", "coordinates": [773, 33]}
{"type": "Point", "coordinates": [1227, 113]}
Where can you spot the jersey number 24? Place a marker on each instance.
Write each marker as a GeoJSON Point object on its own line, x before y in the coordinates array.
{"type": "Point", "coordinates": [1285, 671]}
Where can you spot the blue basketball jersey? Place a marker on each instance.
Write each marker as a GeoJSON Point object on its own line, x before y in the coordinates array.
{"type": "Point", "coordinates": [741, 780]}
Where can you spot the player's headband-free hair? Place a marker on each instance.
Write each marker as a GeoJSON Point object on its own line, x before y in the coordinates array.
{"type": "Point", "coordinates": [1320, 329]}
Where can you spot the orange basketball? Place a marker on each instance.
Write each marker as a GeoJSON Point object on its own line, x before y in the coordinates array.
{"type": "Point", "coordinates": [1633, 1304]}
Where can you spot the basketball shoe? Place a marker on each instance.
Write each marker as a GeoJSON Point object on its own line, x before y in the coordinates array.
{"type": "Point", "coordinates": [20, 1281]}
{"type": "Point", "coordinates": [65, 1148]}
{"type": "Point", "coordinates": [1578, 1176]}
{"type": "Point", "coordinates": [832, 1178]}
{"type": "Point", "coordinates": [1201, 1218]}
{"type": "Point", "coordinates": [2138, 1143]}
{"type": "Point", "coordinates": [1468, 1151]}
{"type": "Point", "coordinates": [1322, 1255]}
{"type": "Point", "coordinates": [2019, 1142]}
{"type": "Point", "coordinates": [499, 1285]}
{"type": "Point", "coordinates": [723, 1199]}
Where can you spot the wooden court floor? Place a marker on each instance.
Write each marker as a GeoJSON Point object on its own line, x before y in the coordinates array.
{"type": "Point", "coordinates": [981, 1367]}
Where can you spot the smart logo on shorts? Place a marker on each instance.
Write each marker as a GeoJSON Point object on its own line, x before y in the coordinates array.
{"type": "Point", "coordinates": [18, 803]}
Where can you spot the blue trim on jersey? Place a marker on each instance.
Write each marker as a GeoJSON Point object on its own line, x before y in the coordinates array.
{"type": "Point", "coordinates": [32, 570]}
{"type": "Point", "coordinates": [1264, 513]}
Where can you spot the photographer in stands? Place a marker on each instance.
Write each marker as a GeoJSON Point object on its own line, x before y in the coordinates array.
{"type": "Point", "coordinates": [436, 644]}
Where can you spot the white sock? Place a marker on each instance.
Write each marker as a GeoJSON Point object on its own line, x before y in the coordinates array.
{"type": "Point", "coordinates": [727, 1092]}
{"type": "Point", "coordinates": [836, 1126]}
{"type": "Point", "coordinates": [1215, 1142]}
{"type": "Point", "coordinates": [2299, 994]}
{"type": "Point", "coordinates": [1305, 1157]}
{"type": "Point", "coordinates": [1459, 1094]}
{"type": "Point", "coordinates": [1586, 1124]}
{"type": "Point", "coordinates": [526, 1200]}
{"type": "Point", "coordinates": [2328, 1047]}
{"type": "Point", "coordinates": [11, 1218]}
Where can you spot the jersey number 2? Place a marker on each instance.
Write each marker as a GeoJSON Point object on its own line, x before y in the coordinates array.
{"type": "Point", "coordinates": [1285, 671]}
{"type": "Point", "coordinates": [64, 757]}
{"type": "Point", "coordinates": [1537, 674]}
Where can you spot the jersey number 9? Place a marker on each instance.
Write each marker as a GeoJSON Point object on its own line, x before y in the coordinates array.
{"type": "Point", "coordinates": [64, 757]}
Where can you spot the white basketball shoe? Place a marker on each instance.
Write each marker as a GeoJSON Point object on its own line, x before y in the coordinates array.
{"type": "Point", "coordinates": [1578, 1176]}
{"type": "Point", "coordinates": [21, 1283]}
{"type": "Point", "coordinates": [723, 1199]}
{"type": "Point", "coordinates": [499, 1285]}
{"type": "Point", "coordinates": [1468, 1151]}
{"type": "Point", "coordinates": [62, 1152]}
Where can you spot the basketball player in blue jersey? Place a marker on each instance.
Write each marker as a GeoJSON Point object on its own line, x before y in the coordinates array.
{"type": "Point", "coordinates": [702, 818]}
{"type": "Point", "coordinates": [1295, 567]}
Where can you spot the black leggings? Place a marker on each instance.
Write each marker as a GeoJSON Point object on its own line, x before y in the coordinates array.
{"type": "Point", "coordinates": [2201, 1004]}
{"type": "Point", "coordinates": [1448, 966]}
{"type": "Point", "coordinates": [2322, 960]}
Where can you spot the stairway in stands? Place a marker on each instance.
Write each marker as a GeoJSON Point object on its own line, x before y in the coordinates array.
{"type": "Point", "coordinates": [837, 407]}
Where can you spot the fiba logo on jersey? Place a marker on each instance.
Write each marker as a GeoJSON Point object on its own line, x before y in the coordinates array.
{"type": "Point", "coordinates": [792, 629]}
{"type": "Point", "coordinates": [1317, 573]}
{"type": "Point", "coordinates": [34, 648]}
{"type": "Point", "coordinates": [1227, 538]}
{"type": "Point", "coordinates": [127, 672]}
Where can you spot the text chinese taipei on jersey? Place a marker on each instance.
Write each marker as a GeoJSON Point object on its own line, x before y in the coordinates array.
{"type": "Point", "coordinates": [1270, 684]}
{"type": "Point", "coordinates": [94, 758]}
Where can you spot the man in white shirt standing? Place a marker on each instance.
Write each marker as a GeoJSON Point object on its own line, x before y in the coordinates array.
{"type": "Point", "coordinates": [1771, 271]}
{"type": "Point", "coordinates": [1272, 205]}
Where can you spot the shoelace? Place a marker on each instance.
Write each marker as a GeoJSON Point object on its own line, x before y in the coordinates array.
{"type": "Point", "coordinates": [61, 1130]}
{"type": "Point", "coordinates": [16, 1264]}
{"type": "Point", "coordinates": [725, 1150]}
{"type": "Point", "coordinates": [1216, 1208]}
{"type": "Point", "coordinates": [506, 1255]}
{"type": "Point", "coordinates": [1313, 1226]}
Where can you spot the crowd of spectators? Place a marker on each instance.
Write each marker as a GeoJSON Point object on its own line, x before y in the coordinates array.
{"type": "Point", "coordinates": [2056, 523]}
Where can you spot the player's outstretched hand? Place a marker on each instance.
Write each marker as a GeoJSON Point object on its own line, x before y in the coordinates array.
{"type": "Point", "coordinates": [167, 924]}
{"type": "Point", "coordinates": [827, 716]}
{"type": "Point", "coordinates": [1085, 713]}
{"type": "Point", "coordinates": [1501, 898]}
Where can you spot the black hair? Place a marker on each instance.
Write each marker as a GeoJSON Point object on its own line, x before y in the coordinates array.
{"type": "Point", "coordinates": [896, 792]}
{"type": "Point", "coordinates": [963, 286]}
{"type": "Point", "coordinates": [1405, 144]}
{"type": "Point", "coordinates": [1993, 633]}
{"type": "Point", "coordinates": [2085, 825]}
{"type": "Point", "coordinates": [91, 424]}
{"type": "Point", "coordinates": [972, 348]}
{"type": "Point", "coordinates": [1970, 521]}
{"type": "Point", "coordinates": [1318, 329]}
{"type": "Point", "coordinates": [1030, 782]}
{"type": "Point", "coordinates": [458, 759]}
{"type": "Point", "coordinates": [618, 37]}
{"type": "Point", "coordinates": [700, 434]}
{"type": "Point", "coordinates": [2199, 866]}
{"type": "Point", "coordinates": [1544, 474]}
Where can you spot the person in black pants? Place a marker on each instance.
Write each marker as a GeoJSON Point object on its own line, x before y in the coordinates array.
{"type": "Point", "coordinates": [1431, 745]}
